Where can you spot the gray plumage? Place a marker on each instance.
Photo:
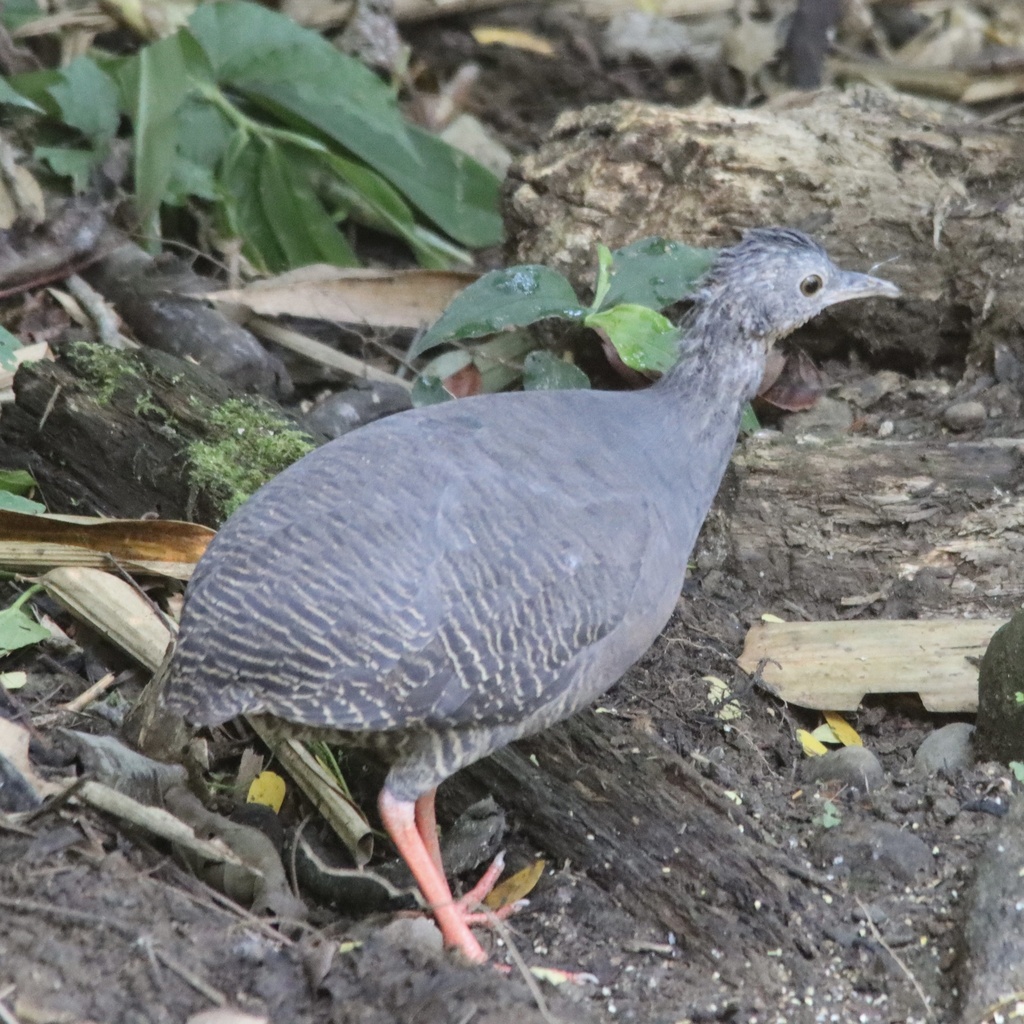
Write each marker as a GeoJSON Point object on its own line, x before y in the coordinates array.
{"type": "Point", "coordinates": [454, 577]}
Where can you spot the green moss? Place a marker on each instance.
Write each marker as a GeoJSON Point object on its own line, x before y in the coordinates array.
{"type": "Point", "coordinates": [247, 446]}
{"type": "Point", "coordinates": [105, 368]}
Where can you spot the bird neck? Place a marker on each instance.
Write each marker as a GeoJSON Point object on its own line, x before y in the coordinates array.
{"type": "Point", "coordinates": [721, 362]}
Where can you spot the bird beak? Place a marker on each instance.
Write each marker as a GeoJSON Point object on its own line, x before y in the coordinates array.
{"type": "Point", "coordinates": [862, 286]}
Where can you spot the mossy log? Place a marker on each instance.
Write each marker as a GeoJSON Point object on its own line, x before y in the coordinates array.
{"type": "Point", "coordinates": [129, 434]}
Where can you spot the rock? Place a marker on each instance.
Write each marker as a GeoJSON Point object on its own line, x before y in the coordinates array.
{"type": "Point", "coordinates": [962, 416]}
{"type": "Point", "coordinates": [993, 934]}
{"type": "Point", "coordinates": [999, 732]}
{"type": "Point", "coordinates": [853, 766]}
{"type": "Point", "coordinates": [867, 392]}
{"type": "Point", "coordinates": [948, 749]}
{"type": "Point", "coordinates": [344, 411]}
{"type": "Point", "coordinates": [829, 417]}
{"type": "Point", "coordinates": [874, 851]}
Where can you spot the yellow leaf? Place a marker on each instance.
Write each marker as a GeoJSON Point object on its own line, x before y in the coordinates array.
{"type": "Point", "coordinates": [489, 36]}
{"type": "Point", "coordinates": [13, 680]}
{"type": "Point", "coordinates": [518, 887]}
{"type": "Point", "coordinates": [845, 733]}
{"type": "Point", "coordinates": [718, 690]}
{"type": "Point", "coordinates": [267, 788]}
{"type": "Point", "coordinates": [768, 617]}
{"type": "Point", "coordinates": [812, 747]}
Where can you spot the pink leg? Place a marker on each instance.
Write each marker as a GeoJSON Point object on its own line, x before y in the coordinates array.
{"type": "Point", "coordinates": [426, 825]}
{"type": "Point", "coordinates": [400, 820]}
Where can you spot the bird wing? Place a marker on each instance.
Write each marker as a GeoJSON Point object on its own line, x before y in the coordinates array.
{"type": "Point", "coordinates": [332, 601]}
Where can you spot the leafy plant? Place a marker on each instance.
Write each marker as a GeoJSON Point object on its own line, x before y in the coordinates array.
{"type": "Point", "coordinates": [17, 627]}
{"type": "Point", "coordinates": [285, 136]}
{"type": "Point", "coordinates": [830, 815]}
{"type": "Point", "coordinates": [632, 285]}
{"type": "Point", "coordinates": [16, 486]}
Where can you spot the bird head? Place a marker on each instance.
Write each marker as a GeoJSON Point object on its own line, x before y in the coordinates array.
{"type": "Point", "coordinates": [776, 279]}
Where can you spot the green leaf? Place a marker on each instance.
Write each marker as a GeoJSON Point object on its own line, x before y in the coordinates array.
{"type": "Point", "coordinates": [644, 339]}
{"type": "Point", "coordinates": [749, 423]}
{"type": "Point", "coordinates": [76, 164]}
{"type": "Point", "coordinates": [17, 481]}
{"type": "Point", "coordinates": [162, 87]}
{"type": "Point", "coordinates": [13, 98]}
{"type": "Point", "coordinates": [15, 13]}
{"type": "Point", "coordinates": [543, 371]}
{"type": "Point", "coordinates": [35, 86]}
{"type": "Point", "coordinates": [429, 391]}
{"type": "Point", "coordinates": [241, 207]}
{"type": "Point", "coordinates": [16, 503]}
{"type": "Point", "coordinates": [1017, 767]}
{"type": "Point", "coordinates": [514, 297]}
{"type": "Point", "coordinates": [300, 224]}
{"type": "Point", "coordinates": [604, 280]}
{"type": "Point", "coordinates": [17, 628]}
{"type": "Point", "coordinates": [88, 100]}
{"type": "Point", "coordinates": [458, 194]}
{"type": "Point", "coordinates": [293, 71]}
{"type": "Point", "coordinates": [656, 273]}
{"type": "Point", "coordinates": [9, 345]}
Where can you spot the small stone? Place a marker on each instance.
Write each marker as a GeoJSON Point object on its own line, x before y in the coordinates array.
{"type": "Point", "coordinates": [962, 416]}
{"type": "Point", "coordinates": [875, 851]}
{"type": "Point", "coordinates": [867, 392]}
{"type": "Point", "coordinates": [829, 417]}
{"type": "Point", "coordinates": [948, 749]}
{"type": "Point", "coordinates": [886, 428]}
{"type": "Point", "coordinates": [853, 766]}
{"type": "Point", "coordinates": [946, 809]}
{"type": "Point", "coordinates": [345, 410]}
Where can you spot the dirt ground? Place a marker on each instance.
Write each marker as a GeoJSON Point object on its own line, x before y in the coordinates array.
{"type": "Point", "coordinates": [99, 923]}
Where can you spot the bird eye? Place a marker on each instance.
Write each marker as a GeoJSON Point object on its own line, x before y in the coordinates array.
{"type": "Point", "coordinates": [811, 285]}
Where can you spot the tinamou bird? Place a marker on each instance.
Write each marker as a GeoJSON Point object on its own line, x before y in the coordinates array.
{"type": "Point", "coordinates": [450, 579]}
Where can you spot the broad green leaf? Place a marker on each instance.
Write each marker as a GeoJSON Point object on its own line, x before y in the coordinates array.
{"type": "Point", "coordinates": [501, 299]}
{"type": "Point", "coordinates": [429, 391]}
{"type": "Point", "coordinates": [36, 85]}
{"type": "Point", "coordinates": [293, 71]}
{"type": "Point", "coordinates": [162, 87]}
{"type": "Point", "coordinates": [299, 222]}
{"type": "Point", "coordinates": [88, 100]}
{"type": "Point", "coordinates": [9, 344]}
{"type": "Point", "coordinates": [656, 273]}
{"type": "Point", "coordinates": [15, 13]}
{"type": "Point", "coordinates": [644, 339]}
{"type": "Point", "coordinates": [76, 164]}
{"type": "Point", "coordinates": [458, 194]}
{"type": "Point", "coordinates": [543, 371]}
{"type": "Point", "coordinates": [17, 481]}
{"type": "Point", "coordinates": [241, 208]}
{"type": "Point", "coordinates": [18, 628]}
{"type": "Point", "coordinates": [13, 98]}
{"type": "Point", "coordinates": [203, 139]}
{"type": "Point", "coordinates": [16, 503]}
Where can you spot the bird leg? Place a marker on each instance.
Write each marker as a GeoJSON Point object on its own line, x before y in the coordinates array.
{"type": "Point", "coordinates": [400, 819]}
{"type": "Point", "coordinates": [426, 825]}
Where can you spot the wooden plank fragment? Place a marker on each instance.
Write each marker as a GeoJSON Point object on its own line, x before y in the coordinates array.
{"type": "Point", "coordinates": [834, 665]}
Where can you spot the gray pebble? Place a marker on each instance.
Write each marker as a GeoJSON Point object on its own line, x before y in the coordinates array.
{"type": "Point", "coordinates": [874, 851]}
{"type": "Point", "coordinates": [828, 418]}
{"type": "Point", "coordinates": [854, 766]}
{"type": "Point", "coordinates": [964, 416]}
{"type": "Point", "coordinates": [948, 748]}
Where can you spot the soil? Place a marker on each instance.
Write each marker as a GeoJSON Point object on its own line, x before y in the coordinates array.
{"type": "Point", "coordinates": [99, 923]}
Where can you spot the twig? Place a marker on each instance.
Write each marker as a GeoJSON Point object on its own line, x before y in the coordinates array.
{"type": "Point", "coordinates": [86, 697]}
{"type": "Point", "coordinates": [877, 936]}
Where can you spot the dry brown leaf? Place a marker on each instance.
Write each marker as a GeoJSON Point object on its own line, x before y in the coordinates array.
{"type": "Point", "coordinates": [162, 547]}
{"type": "Point", "coordinates": [114, 608]}
{"type": "Point", "coordinates": [380, 298]}
{"type": "Point", "coordinates": [515, 888]}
